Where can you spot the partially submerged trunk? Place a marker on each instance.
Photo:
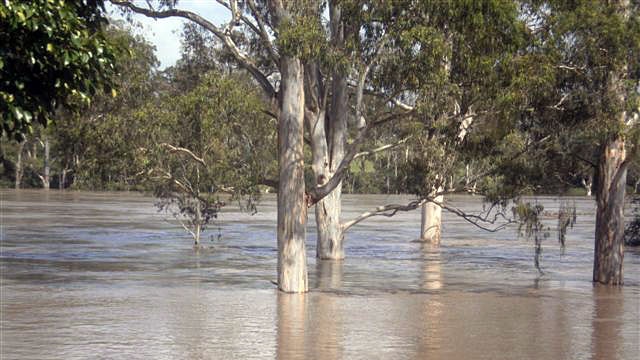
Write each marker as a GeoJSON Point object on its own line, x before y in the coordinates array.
{"type": "Point", "coordinates": [328, 145]}
{"type": "Point", "coordinates": [19, 168]}
{"type": "Point", "coordinates": [330, 234]}
{"type": "Point", "coordinates": [292, 204]}
{"type": "Point", "coordinates": [198, 223]}
{"type": "Point", "coordinates": [45, 177]}
{"type": "Point", "coordinates": [609, 235]}
{"type": "Point", "coordinates": [587, 183]}
{"type": "Point", "coordinates": [431, 223]}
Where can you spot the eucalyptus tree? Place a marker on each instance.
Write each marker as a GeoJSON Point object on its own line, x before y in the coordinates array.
{"type": "Point", "coordinates": [318, 76]}
{"type": "Point", "coordinates": [588, 61]}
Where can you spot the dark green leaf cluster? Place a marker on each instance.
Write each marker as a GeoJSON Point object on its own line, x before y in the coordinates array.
{"type": "Point", "coordinates": [50, 52]}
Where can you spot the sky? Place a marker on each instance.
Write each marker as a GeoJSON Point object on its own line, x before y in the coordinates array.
{"type": "Point", "coordinates": [164, 34]}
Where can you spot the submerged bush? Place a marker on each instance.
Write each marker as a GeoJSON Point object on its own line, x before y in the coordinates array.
{"type": "Point", "coordinates": [632, 231]}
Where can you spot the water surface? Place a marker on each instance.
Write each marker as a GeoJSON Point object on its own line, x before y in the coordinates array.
{"type": "Point", "coordinates": [103, 275]}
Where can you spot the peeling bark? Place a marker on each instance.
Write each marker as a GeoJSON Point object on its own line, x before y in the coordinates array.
{"type": "Point", "coordinates": [328, 152]}
{"type": "Point", "coordinates": [609, 235]}
{"type": "Point", "coordinates": [292, 205]}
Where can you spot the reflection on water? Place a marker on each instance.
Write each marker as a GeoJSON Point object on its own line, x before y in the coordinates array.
{"type": "Point", "coordinates": [102, 275]}
{"type": "Point", "coordinates": [608, 324]}
{"type": "Point", "coordinates": [432, 275]}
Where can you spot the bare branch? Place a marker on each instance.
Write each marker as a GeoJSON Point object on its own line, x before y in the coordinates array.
{"type": "Point", "coordinates": [175, 149]}
{"type": "Point", "coordinates": [381, 148]}
{"type": "Point", "coordinates": [477, 220]}
{"type": "Point", "coordinates": [572, 68]}
{"type": "Point", "coordinates": [386, 210]}
{"type": "Point", "coordinates": [259, 28]}
{"type": "Point", "coordinates": [317, 193]}
{"type": "Point", "coordinates": [264, 35]}
{"type": "Point", "coordinates": [242, 58]}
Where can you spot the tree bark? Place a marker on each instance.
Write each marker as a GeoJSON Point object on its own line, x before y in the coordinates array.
{"type": "Point", "coordinates": [431, 223]}
{"type": "Point", "coordinates": [292, 204]}
{"type": "Point", "coordinates": [47, 166]}
{"type": "Point", "coordinates": [609, 235]}
{"type": "Point", "coordinates": [19, 165]}
{"type": "Point", "coordinates": [330, 236]}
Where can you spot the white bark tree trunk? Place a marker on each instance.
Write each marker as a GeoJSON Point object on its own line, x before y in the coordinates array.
{"type": "Point", "coordinates": [431, 223]}
{"type": "Point", "coordinates": [292, 204]}
{"type": "Point", "coordinates": [19, 165]}
{"type": "Point", "coordinates": [198, 223]}
{"type": "Point", "coordinates": [46, 181]}
{"type": "Point", "coordinates": [328, 152]}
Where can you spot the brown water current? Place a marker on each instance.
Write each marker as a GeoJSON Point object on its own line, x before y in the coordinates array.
{"type": "Point", "coordinates": [104, 276]}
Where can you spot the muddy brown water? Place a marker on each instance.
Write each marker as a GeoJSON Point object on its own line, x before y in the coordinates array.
{"type": "Point", "coordinates": [104, 276]}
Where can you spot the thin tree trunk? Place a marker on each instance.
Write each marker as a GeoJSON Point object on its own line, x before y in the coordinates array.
{"type": "Point", "coordinates": [198, 223]}
{"type": "Point", "coordinates": [292, 204]}
{"type": "Point", "coordinates": [588, 184]}
{"type": "Point", "coordinates": [19, 165]}
{"type": "Point", "coordinates": [431, 223]}
{"type": "Point", "coordinates": [609, 235]}
{"type": "Point", "coordinates": [47, 167]}
{"type": "Point", "coordinates": [63, 177]}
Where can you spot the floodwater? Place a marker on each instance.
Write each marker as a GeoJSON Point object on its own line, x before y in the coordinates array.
{"type": "Point", "coordinates": [104, 276]}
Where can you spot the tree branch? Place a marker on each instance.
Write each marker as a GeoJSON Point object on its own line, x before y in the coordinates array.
{"type": "Point", "coordinates": [319, 192]}
{"type": "Point", "coordinates": [476, 220]}
{"type": "Point", "coordinates": [381, 148]}
{"type": "Point", "coordinates": [175, 149]}
{"type": "Point", "coordinates": [243, 59]}
{"type": "Point", "coordinates": [386, 210]}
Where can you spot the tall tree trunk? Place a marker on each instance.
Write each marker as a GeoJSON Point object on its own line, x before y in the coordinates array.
{"type": "Point", "coordinates": [329, 230]}
{"type": "Point", "coordinates": [610, 190]}
{"type": "Point", "coordinates": [19, 165]}
{"type": "Point", "coordinates": [330, 235]}
{"type": "Point", "coordinates": [611, 181]}
{"type": "Point", "coordinates": [292, 204]}
{"type": "Point", "coordinates": [431, 223]}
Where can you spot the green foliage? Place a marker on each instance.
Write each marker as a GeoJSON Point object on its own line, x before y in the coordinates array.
{"type": "Point", "coordinates": [51, 52]}
{"type": "Point", "coordinates": [303, 37]}
{"type": "Point", "coordinates": [214, 139]}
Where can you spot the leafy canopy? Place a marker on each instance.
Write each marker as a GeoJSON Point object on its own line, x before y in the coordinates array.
{"type": "Point", "coordinates": [50, 51]}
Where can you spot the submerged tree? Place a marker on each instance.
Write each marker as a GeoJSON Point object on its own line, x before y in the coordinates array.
{"type": "Point", "coordinates": [589, 55]}
{"type": "Point", "coordinates": [320, 78]}
{"type": "Point", "coordinates": [211, 141]}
